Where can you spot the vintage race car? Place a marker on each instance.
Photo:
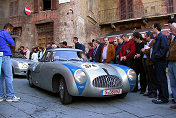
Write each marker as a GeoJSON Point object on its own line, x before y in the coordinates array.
{"type": "Point", "coordinates": [19, 64]}
{"type": "Point", "coordinates": [68, 72]}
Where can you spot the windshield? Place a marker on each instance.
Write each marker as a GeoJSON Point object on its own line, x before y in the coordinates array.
{"type": "Point", "coordinates": [65, 55]}
{"type": "Point", "coordinates": [18, 55]}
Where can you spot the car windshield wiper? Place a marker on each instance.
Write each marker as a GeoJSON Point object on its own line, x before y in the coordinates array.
{"type": "Point", "coordinates": [73, 59]}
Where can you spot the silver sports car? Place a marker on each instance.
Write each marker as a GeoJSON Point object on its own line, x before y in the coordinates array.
{"type": "Point", "coordinates": [19, 64]}
{"type": "Point", "coordinates": [68, 72]}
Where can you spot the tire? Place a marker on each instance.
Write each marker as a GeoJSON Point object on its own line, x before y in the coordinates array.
{"type": "Point", "coordinates": [123, 95]}
{"type": "Point", "coordinates": [30, 81]}
{"type": "Point", "coordinates": [63, 93]}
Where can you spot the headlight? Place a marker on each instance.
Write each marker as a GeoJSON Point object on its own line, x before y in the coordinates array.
{"type": "Point", "coordinates": [80, 76]}
{"type": "Point", "coordinates": [23, 65]}
{"type": "Point", "coordinates": [131, 74]}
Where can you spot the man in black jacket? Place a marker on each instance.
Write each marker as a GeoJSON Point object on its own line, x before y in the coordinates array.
{"type": "Point", "coordinates": [158, 56]}
{"type": "Point", "coordinates": [77, 44]}
{"type": "Point", "coordinates": [97, 51]}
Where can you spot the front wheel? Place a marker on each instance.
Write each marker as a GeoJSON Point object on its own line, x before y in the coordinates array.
{"type": "Point", "coordinates": [64, 95]}
{"type": "Point", "coordinates": [30, 80]}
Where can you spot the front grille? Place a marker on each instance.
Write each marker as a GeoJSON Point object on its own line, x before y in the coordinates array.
{"type": "Point", "coordinates": [107, 81]}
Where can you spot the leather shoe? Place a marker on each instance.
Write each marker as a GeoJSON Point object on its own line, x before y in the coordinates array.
{"type": "Point", "coordinates": [155, 99]}
{"type": "Point", "coordinates": [142, 92]}
{"type": "Point", "coordinates": [173, 107]}
{"type": "Point", "coordinates": [173, 101]}
{"type": "Point", "coordinates": [146, 94]}
{"type": "Point", "coordinates": [160, 102]}
{"type": "Point", "coordinates": [152, 95]}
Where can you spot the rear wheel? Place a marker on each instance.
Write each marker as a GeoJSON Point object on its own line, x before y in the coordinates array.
{"type": "Point", "coordinates": [64, 95]}
{"type": "Point", "coordinates": [30, 80]}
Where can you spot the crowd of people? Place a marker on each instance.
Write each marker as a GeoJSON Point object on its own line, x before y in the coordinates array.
{"type": "Point", "coordinates": [149, 57]}
{"type": "Point", "coordinates": [37, 52]}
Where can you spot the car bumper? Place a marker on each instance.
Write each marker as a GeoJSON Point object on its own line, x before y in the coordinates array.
{"type": "Point", "coordinates": [91, 91]}
{"type": "Point", "coordinates": [18, 71]}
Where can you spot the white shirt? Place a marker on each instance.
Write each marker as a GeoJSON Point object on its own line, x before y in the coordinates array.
{"type": "Point", "coordinates": [147, 47]}
{"type": "Point", "coordinates": [27, 54]}
{"type": "Point", "coordinates": [34, 56]}
{"type": "Point", "coordinates": [104, 54]}
{"type": "Point", "coordinates": [172, 37]}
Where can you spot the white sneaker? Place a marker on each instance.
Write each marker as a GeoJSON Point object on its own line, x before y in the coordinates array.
{"type": "Point", "coordinates": [13, 99]}
{"type": "Point", "coordinates": [2, 99]}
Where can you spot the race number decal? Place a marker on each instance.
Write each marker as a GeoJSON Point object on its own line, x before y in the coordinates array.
{"type": "Point", "coordinates": [90, 66]}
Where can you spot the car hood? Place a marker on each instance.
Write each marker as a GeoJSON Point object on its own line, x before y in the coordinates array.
{"type": "Point", "coordinates": [22, 60]}
{"type": "Point", "coordinates": [94, 70]}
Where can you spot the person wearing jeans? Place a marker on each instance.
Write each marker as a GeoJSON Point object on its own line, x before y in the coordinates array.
{"type": "Point", "coordinates": [172, 61]}
{"type": "Point", "coordinates": [6, 67]}
{"type": "Point", "coordinates": [0, 64]}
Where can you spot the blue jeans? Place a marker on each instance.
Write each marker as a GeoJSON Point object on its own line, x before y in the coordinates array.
{"type": "Point", "coordinates": [172, 77]}
{"type": "Point", "coordinates": [0, 65]}
{"type": "Point", "coordinates": [7, 77]}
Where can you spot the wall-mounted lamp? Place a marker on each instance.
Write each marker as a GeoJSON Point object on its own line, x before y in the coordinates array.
{"type": "Point", "coordinates": [70, 11]}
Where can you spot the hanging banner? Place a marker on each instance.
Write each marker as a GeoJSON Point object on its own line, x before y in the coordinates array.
{"type": "Point", "coordinates": [63, 1]}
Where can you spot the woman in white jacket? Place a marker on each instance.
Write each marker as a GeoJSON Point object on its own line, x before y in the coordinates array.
{"type": "Point", "coordinates": [34, 56]}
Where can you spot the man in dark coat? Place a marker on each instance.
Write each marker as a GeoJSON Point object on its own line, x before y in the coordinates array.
{"type": "Point", "coordinates": [77, 44]}
{"type": "Point", "coordinates": [158, 56]}
{"type": "Point", "coordinates": [97, 51]}
{"type": "Point", "coordinates": [120, 43]}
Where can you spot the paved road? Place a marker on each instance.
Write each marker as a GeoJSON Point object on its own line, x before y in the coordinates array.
{"type": "Point", "coordinates": [37, 103]}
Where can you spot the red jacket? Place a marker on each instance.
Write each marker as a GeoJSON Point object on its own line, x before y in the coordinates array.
{"type": "Point", "coordinates": [128, 47]}
{"type": "Point", "coordinates": [90, 53]}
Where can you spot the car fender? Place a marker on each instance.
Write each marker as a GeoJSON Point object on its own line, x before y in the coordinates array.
{"type": "Point", "coordinates": [67, 71]}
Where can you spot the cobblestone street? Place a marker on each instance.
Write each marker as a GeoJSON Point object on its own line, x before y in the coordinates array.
{"type": "Point", "coordinates": [37, 103]}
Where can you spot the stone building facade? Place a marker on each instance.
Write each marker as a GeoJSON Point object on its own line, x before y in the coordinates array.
{"type": "Point", "coordinates": [122, 15]}
{"type": "Point", "coordinates": [51, 21]}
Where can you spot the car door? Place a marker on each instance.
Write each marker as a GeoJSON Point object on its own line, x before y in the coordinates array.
{"type": "Point", "coordinates": [45, 74]}
{"type": "Point", "coordinates": [36, 71]}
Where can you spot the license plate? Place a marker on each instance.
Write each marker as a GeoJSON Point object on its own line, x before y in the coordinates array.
{"type": "Point", "coordinates": [112, 92]}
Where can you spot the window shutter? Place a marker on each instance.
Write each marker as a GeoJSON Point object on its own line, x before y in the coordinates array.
{"type": "Point", "coordinates": [130, 9]}
{"type": "Point", "coordinates": [11, 9]}
{"type": "Point", "coordinates": [123, 9]}
{"type": "Point", "coordinates": [36, 6]}
{"type": "Point", "coordinates": [170, 8]}
{"type": "Point", "coordinates": [15, 6]}
{"type": "Point", "coordinates": [54, 4]}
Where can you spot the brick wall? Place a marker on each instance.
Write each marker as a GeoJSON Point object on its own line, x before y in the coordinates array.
{"type": "Point", "coordinates": [66, 25]}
